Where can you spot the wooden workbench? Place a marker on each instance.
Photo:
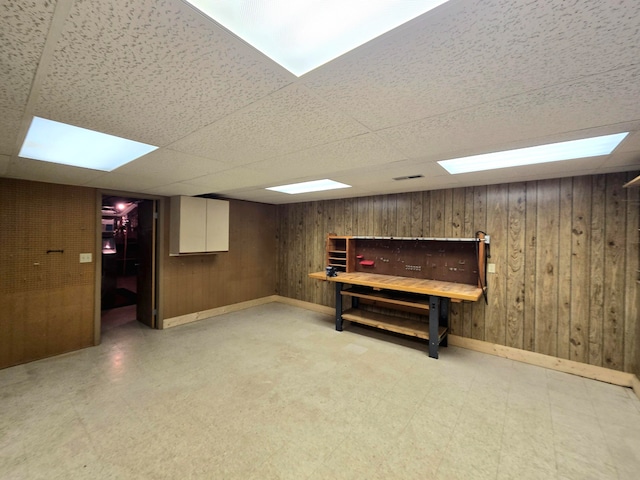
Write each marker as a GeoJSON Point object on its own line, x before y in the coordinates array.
{"type": "Point", "coordinates": [432, 296]}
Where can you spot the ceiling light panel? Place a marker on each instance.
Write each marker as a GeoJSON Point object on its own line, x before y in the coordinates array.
{"type": "Point", "coordinates": [553, 152]}
{"type": "Point", "coordinates": [306, 187]}
{"type": "Point", "coordinates": [56, 142]}
{"type": "Point", "coordinates": [301, 35]}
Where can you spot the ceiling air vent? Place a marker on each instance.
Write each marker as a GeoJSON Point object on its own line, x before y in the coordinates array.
{"type": "Point", "coordinates": [408, 177]}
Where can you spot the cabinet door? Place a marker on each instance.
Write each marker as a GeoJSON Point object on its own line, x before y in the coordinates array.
{"type": "Point", "coordinates": [217, 226]}
{"type": "Point", "coordinates": [191, 224]}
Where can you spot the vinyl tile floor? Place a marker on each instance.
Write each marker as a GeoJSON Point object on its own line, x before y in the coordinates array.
{"type": "Point", "coordinates": [274, 392]}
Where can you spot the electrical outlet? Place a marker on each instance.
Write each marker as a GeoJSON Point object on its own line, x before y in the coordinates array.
{"type": "Point", "coordinates": [85, 258]}
{"type": "Point", "coordinates": [491, 268]}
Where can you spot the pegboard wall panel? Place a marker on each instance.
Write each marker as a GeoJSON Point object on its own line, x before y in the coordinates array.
{"type": "Point", "coordinates": [449, 261]}
{"type": "Point", "coordinates": [46, 299]}
{"type": "Point", "coordinates": [44, 228]}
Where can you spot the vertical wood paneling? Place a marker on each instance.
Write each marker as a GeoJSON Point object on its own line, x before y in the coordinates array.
{"type": "Point", "coordinates": [516, 266]}
{"type": "Point", "coordinates": [318, 236]}
{"type": "Point", "coordinates": [565, 261]}
{"type": "Point", "coordinates": [632, 276]}
{"type": "Point", "coordinates": [416, 214]}
{"type": "Point", "coordinates": [436, 215]}
{"type": "Point", "coordinates": [448, 212]}
{"type": "Point", "coordinates": [546, 330]}
{"type": "Point", "coordinates": [338, 226]}
{"type": "Point", "coordinates": [467, 309]}
{"type": "Point", "coordinates": [564, 267]}
{"type": "Point", "coordinates": [457, 231]}
{"type": "Point", "coordinates": [299, 247]}
{"type": "Point", "coordinates": [479, 224]}
{"type": "Point", "coordinates": [391, 216]}
{"type": "Point", "coordinates": [348, 217]}
{"type": "Point", "coordinates": [403, 215]}
{"type": "Point", "coordinates": [531, 260]}
{"type": "Point", "coordinates": [328, 227]}
{"type": "Point", "coordinates": [361, 221]}
{"type": "Point", "coordinates": [497, 224]}
{"type": "Point", "coordinates": [426, 214]}
{"type": "Point", "coordinates": [580, 269]}
{"type": "Point", "coordinates": [378, 215]}
{"type": "Point", "coordinates": [596, 308]}
{"type": "Point", "coordinates": [614, 268]}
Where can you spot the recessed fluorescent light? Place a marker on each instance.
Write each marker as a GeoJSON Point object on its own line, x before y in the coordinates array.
{"type": "Point", "coordinates": [552, 152]}
{"type": "Point", "coordinates": [301, 35]}
{"type": "Point", "coordinates": [57, 142]}
{"type": "Point", "coordinates": [306, 187]}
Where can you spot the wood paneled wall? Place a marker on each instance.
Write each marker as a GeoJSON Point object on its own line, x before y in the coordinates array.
{"type": "Point", "coordinates": [194, 283]}
{"type": "Point", "coordinates": [46, 299]}
{"type": "Point", "coordinates": [565, 250]}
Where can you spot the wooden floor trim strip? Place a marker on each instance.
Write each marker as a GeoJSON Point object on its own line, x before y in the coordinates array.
{"type": "Point", "coordinates": [568, 366]}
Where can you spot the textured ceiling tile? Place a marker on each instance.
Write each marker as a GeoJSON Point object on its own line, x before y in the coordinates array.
{"type": "Point", "coordinates": [171, 166]}
{"type": "Point", "coordinates": [50, 172]}
{"type": "Point", "coordinates": [623, 159]}
{"type": "Point", "coordinates": [149, 70]}
{"type": "Point", "coordinates": [173, 189]}
{"type": "Point", "coordinates": [10, 121]}
{"type": "Point", "coordinates": [23, 31]}
{"type": "Point", "coordinates": [469, 52]}
{"type": "Point", "coordinates": [632, 141]}
{"type": "Point", "coordinates": [363, 151]}
{"type": "Point", "coordinates": [236, 178]}
{"type": "Point", "coordinates": [117, 181]}
{"type": "Point", "coordinates": [286, 121]}
{"type": "Point", "coordinates": [603, 100]}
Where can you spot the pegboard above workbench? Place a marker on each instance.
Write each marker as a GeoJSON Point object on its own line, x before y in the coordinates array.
{"type": "Point", "coordinates": [456, 260]}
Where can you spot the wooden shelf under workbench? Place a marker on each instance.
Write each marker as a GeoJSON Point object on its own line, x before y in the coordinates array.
{"type": "Point", "coordinates": [426, 297]}
{"type": "Point", "coordinates": [403, 326]}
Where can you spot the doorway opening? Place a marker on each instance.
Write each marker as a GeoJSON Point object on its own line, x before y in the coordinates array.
{"type": "Point", "coordinates": [128, 241]}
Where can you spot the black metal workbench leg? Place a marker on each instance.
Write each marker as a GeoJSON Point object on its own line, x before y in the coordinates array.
{"type": "Point", "coordinates": [338, 306]}
{"type": "Point", "coordinates": [434, 323]}
{"type": "Point", "coordinates": [445, 305]}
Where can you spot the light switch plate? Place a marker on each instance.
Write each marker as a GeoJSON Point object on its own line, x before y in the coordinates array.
{"type": "Point", "coordinates": [491, 268]}
{"type": "Point", "coordinates": [85, 258]}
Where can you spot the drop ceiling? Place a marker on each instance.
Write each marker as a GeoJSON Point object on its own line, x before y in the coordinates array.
{"type": "Point", "coordinates": [467, 78]}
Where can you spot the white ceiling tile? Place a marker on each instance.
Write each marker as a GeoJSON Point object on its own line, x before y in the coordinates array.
{"type": "Point", "coordinates": [171, 166]}
{"type": "Point", "coordinates": [466, 53]}
{"type": "Point", "coordinates": [38, 171]}
{"type": "Point", "coordinates": [23, 31]}
{"type": "Point", "coordinates": [132, 183]}
{"type": "Point", "coordinates": [286, 121]}
{"type": "Point", "coordinates": [173, 189]}
{"type": "Point", "coordinates": [622, 159]}
{"type": "Point", "coordinates": [235, 178]}
{"type": "Point", "coordinates": [363, 152]}
{"type": "Point", "coordinates": [469, 77]}
{"type": "Point", "coordinates": [604, 100]}
{"type": "Point", "coordinates": [153, 71]}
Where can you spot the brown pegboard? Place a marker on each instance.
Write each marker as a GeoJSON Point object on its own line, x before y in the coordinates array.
{"type": "Point", "coordinates": [39, 217]}
{"type": "Point", "coordinates": [449, 261]}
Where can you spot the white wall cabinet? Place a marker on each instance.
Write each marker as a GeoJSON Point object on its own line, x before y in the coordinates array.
{"type": "Point", "coordinates": [198, 225]}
